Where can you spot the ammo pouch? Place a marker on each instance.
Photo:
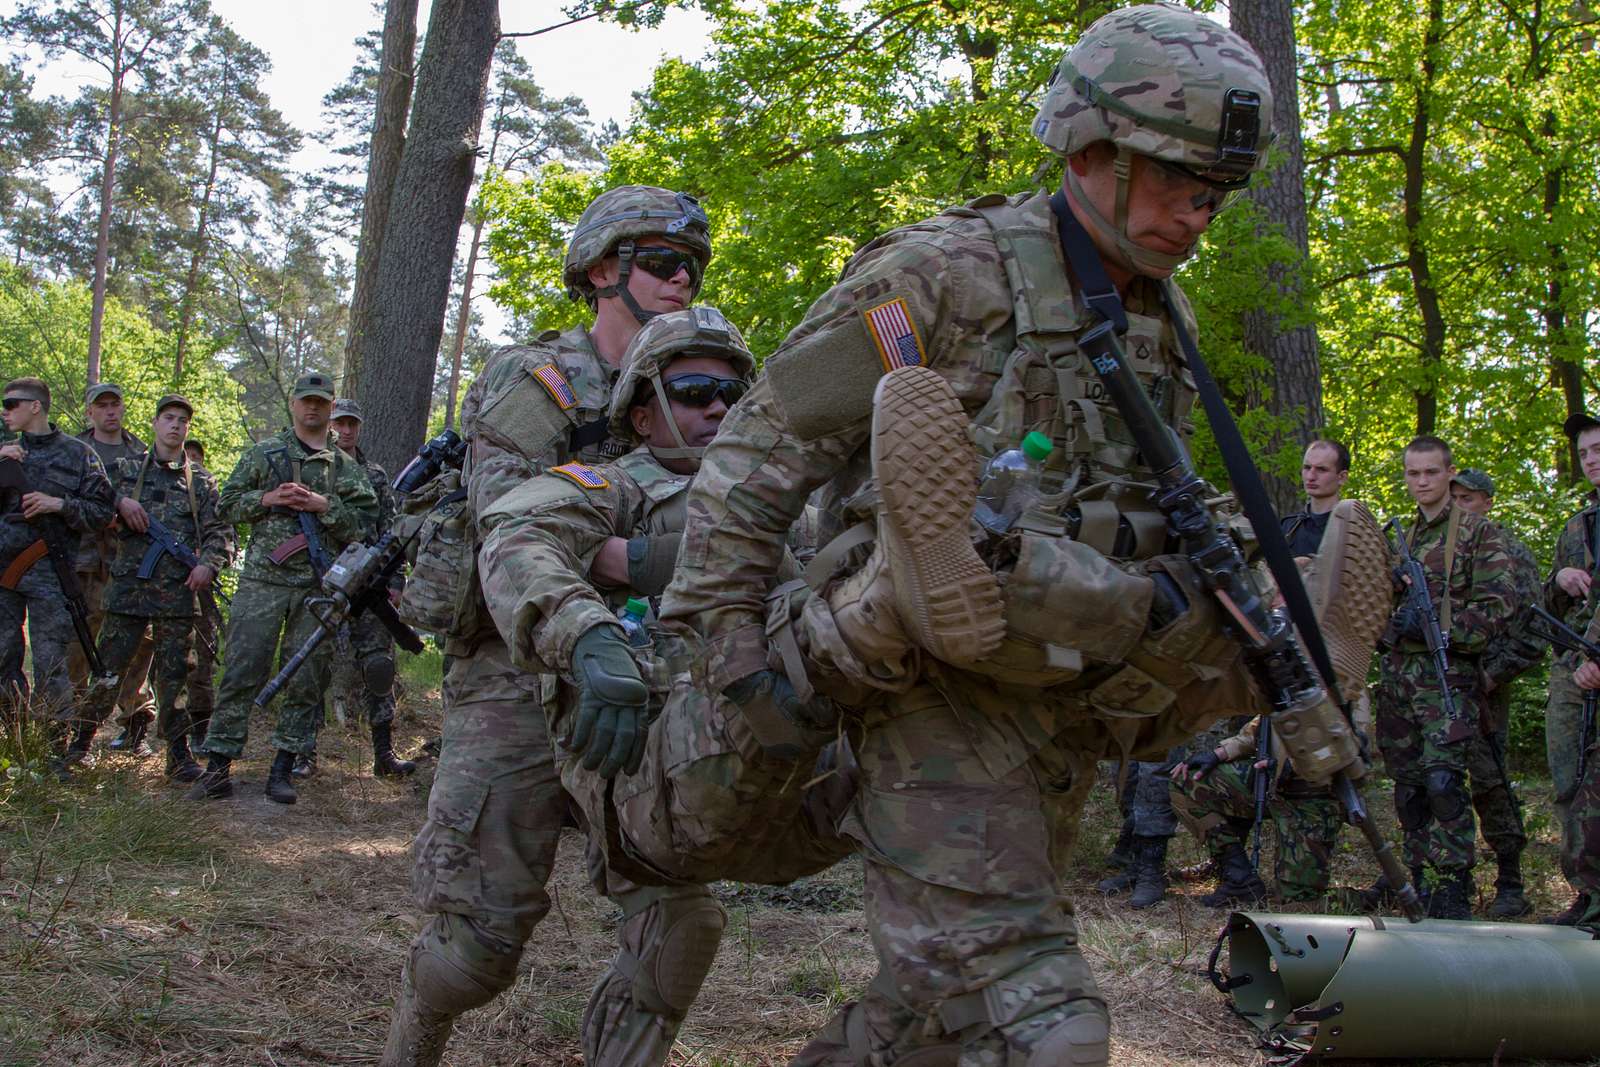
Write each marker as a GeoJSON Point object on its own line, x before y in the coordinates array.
{"type": "Point", "coordinates": [445, 559]}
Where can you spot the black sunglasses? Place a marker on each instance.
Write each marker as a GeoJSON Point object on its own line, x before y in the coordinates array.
{"type": "Point", "coordinates": [10, 402]}
{"type": "Point", "coordinates": [699, 390]}
{"type": "Point", "coordinates": [665, 263]}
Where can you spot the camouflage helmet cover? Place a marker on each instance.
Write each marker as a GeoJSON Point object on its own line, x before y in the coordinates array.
{"type": "Point", "coordinates": [629, 212]}
{"type": "Point", "coordinates": [1162, 81]}
{"type": "Point", "coordinates": [696, 331]}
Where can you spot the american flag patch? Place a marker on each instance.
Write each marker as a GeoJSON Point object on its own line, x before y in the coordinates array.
{"type": "Point", "coordinates": [555, 384]}
{"type": "Point", "coordinates": [578, 474]}
{"type": "Point", "coordinates": [892, 331]}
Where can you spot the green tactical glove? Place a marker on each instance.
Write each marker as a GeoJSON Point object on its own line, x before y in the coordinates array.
{"type": "Point", "coordinates": [784, 725]}
{"type": "Point", "coordinates": [613, 702]}
{"type": "Point", "coordinates": [650, 562]}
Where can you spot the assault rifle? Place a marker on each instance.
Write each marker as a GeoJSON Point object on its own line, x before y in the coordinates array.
{"type": "Point", "coordinates": [1564, 637]}
{"type": "Point", "coordinates": [308, 540]}
{"type": "Point", "coordinates": [1301, 705]}
{"type": "Point", "coordinates": [358, 581]}
{"type": "Point", "coordinates": [163, 542]}
{"type": "Point", "coordinates": [1262, 769]}
{"type": "Point", "coordinates": [1418, 610]}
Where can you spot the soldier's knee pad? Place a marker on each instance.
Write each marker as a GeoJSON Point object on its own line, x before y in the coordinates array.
{"type": "Point", "coordinates": [1082, 1039]}
{"type": "Point", "coordinates": [1411, 805]}
{"type": "Point", "coordinates": [667, 977]}
{"type": "Point", "coordinates": [451, 986]}
{"type": "Point", "coordinates": [1447, 794]}
{"type": "Point", "coordinates": [378, 673]}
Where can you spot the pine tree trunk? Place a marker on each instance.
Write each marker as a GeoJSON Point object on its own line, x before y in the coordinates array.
{"type": "Point", "coordinates": [197, 255]}
{"type": "Point", "coordinates": [1294, 368]}
{"type": "Point", "coordinates": [108, 177]}
{"type": "Point", "coordinates": [463, 320]}
{"type": "Point", "coordinates": [395, 76]}
{"type": "Point", "coordinates": [412, 279]}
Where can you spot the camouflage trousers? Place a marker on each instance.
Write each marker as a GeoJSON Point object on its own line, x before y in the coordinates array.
{"type": "Point", "coordinates": [1146, 799]}
{"type": "Point", "coordinates": [121, 638]}
{"type": "Point", "coordinates": [1221, 808]}
{"type": "Point", "coordinates": [1499, 811]}
{"type": "Point", "coordinates": [38, 599]}
{"type": "Point", "coordinates": [133, 684]}
{"type": "Point", "coordinates": [1563, 726]}
{"type": "Point", "coordinates": [363, 677]}
{"type": "Point", "coordinates": [1427, 756]}
{"type": "Point", "coordinates": [262, 612]}
{"type": "Point", "coordinates": [1585, 813]}
{"type": "Point", "coordinates": [202, 676]}
{"type": "Point", "coordinates": [485, 854]}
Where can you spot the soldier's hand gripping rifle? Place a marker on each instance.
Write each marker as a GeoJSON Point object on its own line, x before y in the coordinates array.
{"type": "Point", "coordinates": [1317, 730]}
{"type": "Point", "coordinates": [163, 542]}
{"type": "Point", "coordinates": [1564, 637]}
{"type": "Point", "coordinates": [358, 581]}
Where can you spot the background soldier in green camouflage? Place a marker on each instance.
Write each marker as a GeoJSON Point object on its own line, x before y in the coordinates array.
{"type": "Point", "coordinates": [159, 484]}
{"type": "Point", "coordinates": [103, 410]}
{"type": "Point", "coordinates": [1570, 593]}
{"type": "Point", "coordinates": [368, 674]}
{"type": "Point", "coordinates": [1509, 655]}
{"type": "Point", "coordinates": [970, 782]}
{"type": "Point", "coordinates": [1470, 580]}
{"type": "Point", "coordinates": [297, 471]}
{"type": "Point", "coordinates": [497, 802]}
{"type": "Point", "coordinates": [207, 633]}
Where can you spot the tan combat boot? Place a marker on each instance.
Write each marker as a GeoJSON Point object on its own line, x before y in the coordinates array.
{"type": "Point", "coordinates": [944, 596]}
{"type": "Point", "coordinates": [417, 1036]}
{"type": "Point", "coordinates": [1351, 592]}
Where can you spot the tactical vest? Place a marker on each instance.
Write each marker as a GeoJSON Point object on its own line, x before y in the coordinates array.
{"type": "Point", "coordinates": [667, 510]}
{"type": "Point", "coordinates": [442, 553]}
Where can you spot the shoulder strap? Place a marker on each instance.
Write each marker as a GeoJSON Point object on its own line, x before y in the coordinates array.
{"type": "Point", "coordinates": [1452, 528]}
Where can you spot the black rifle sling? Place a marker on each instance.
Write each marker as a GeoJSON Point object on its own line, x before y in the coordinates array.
{"type": "Point", "coordinates": [1101, 297]}
{"type": "Point", "coordinates": [590, 433]}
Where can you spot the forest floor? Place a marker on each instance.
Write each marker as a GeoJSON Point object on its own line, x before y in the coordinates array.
{"type": "Point", "coordinates": [137, 928]}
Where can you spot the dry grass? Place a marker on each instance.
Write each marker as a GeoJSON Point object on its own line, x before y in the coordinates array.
{"type": "Point", "coordinates": [138, 928]}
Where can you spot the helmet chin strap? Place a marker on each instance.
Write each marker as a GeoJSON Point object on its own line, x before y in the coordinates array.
{"type": "Point", "coordinates": [1127, 254]}
{"type": "Point", "coordinates": [683, 451]}
{"type": "Point", "coordinates": [625, 268]}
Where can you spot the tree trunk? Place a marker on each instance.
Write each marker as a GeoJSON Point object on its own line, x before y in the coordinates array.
{"type": "Point", "coordinates": [1433, 327]}
{"type": "Point", "coordinates": [411, 286]}
{"type": "Point", "coordinates": [108, 176]}
{"type": "Point", "coordinates": [1294, 369]}
{"type": "Point", "coordinates": [198, 254]}
{"type": "Point", "coordinates": [463, 320]}
{"type": "Point", "coordinates": [395, 75]}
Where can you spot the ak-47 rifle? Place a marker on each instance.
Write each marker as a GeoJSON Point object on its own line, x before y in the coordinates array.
{"type": "Point", "coordinates": [1418, 609]}
{"type": "Point", "coordinates": [1313, 726]}
{"type": "Point", "coordinates": [163, 542]}
{"type": "Point", "coordinates": [1567, 639]}
{"type": "Point", "coordinates": [14, 483]}
{"type": "Point", "coordinates": [308, 540]}
{"type": "Point", "coordinates": [358, 581]}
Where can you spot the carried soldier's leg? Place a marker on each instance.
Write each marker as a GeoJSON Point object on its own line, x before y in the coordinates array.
{"type": "Point", "coordinates": [1498, 809]}
{"type": "Point", "coordinates": [173, 639]}
{"type": "Point", "coordinates": [1219, 809]}
{"type": "Point", "coordinates": [374, 649]}
{"type": "Point", "coordinates": [484, 855]}
{"type": "Point", "coordinates": [1563, 724]}
{"type": "Point", "coordinates": [259, 613]}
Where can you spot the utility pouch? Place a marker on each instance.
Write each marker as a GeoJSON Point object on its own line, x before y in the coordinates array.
{"type": "Point", "coordinates": [444, 555]}
{"type": "Point", "coordinates": [288, 549]}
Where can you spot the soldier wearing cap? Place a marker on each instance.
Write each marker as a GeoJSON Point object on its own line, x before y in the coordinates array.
{"type": "Point", "coordinates": [158, 485]}
{"type": "Point", "coordinates": [1571, 593]}
{"type": "Point", "coordinates": [1509, 655]}
{"type": "Point", "coordinates": [636, 252]}
{"type": "Point", "coordinates": [69, 498]}
{"type": "Point", "coordinates": [103, 411]}
{"type": "Point", "coordinates": [369, 672]}
{"type": "Point", "coordinates": [304, 500]}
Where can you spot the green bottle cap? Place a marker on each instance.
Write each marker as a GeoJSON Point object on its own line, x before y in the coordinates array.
{"type": "Point", "coordinates": [635, 607]}
{"type": "Point", "coordinates": [1037, 446]}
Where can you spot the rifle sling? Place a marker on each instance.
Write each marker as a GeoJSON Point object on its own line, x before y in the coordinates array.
{"type": "Point", "coordinates": [24, 562]}
{"type": "Point", "coordinates": [1101, 296]}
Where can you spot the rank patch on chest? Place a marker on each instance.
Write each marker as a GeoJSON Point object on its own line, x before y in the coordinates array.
{"type": "Point", "coordinates": [555, 383]}
{"type": "Point", "coordinates": [895, 335]}
{"type": "Point", "coordinates": [581, 476]}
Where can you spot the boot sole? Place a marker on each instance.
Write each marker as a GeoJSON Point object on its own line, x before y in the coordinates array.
{"type": "Point", "coordinates": [1351, 594]}
{"type": "Point", "coordinates": [926, 467]}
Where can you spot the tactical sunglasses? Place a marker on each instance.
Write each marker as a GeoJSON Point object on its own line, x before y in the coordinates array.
{"type": "Point", "coordinates": [699, 390]}
{"type": "Point", "coordinates": [10, 403]}
{"type": "Point", "coordinates": [665, 263]}
{"type": "Point", "coordinates": [1213, 194]}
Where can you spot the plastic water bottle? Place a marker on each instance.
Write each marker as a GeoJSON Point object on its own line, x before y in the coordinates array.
{"type": "Point", "coordinates": [1011, 482]}
{"type": "Point", "coordinates": [631, 616]}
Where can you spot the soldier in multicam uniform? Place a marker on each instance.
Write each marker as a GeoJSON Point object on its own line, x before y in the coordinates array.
{"type": "Point", "coordinates": [1512, 653]}
{"type": "Point", "coordinates": [158, 484]}
{"type": "Point", "coordinates": [1470, 581]}
{"type": "Point", "coordinates": [497, 801]}
{"type": "Point", "coordinates": [1570, 593]}
{"type": "Point", "coordinates": [69, 488]}
{"type": "Point", "coordinates": [371, 669]}
{"type": "Point", "coordinates": [543, 543]}
{"type": "Point", "coordinates": [202, 694]}
{"type": "Point", "coordinates": [995, 704]}
{"type": "Point", "coordinates": [297, 471]}
{"type": "Point", "coordinates": [103, 411]}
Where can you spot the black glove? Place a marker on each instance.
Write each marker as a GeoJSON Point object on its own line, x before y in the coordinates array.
{"type": "Point", "coordinates": [613, 703]}
{"type": "Point", "coordinates": [1408, 625]}
{"type": "Point", "coordinates": [1169, 602]}
{"type": "Point", "coordinates": [1202, 763]}
{"type": "Point", "coordinates": [776, 714]}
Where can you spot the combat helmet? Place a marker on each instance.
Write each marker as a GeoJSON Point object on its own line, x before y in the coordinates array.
{"type": "Point", "coordinates": [1162, 81]}
{"type": "Point", "coordinates": [697, 331]}
{"type": "Point", "coordinates": [614, 220]}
